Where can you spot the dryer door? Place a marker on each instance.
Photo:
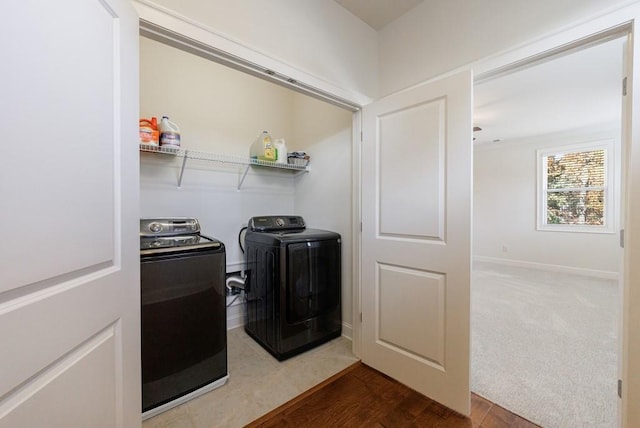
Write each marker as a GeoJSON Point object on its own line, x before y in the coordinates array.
{"type": "Point", "coordinates": [313, 280]}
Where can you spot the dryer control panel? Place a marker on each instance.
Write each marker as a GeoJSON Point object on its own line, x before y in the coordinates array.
{"type": "Point", "coordinates": [275, 222]}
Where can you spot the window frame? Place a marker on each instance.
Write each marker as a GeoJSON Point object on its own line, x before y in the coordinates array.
{"type": "Point", "coordinates": [609, 186]}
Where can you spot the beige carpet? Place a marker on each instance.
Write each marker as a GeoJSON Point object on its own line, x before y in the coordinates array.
{"type": "Point", "coordinates": [544, 345]}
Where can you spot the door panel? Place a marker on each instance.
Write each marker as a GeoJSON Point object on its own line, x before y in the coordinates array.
{"type": "Point", "coordinates": [45, 400]}
{"type": "Point", "coordinates": [65, 149]}
{"type": "Point", "coordinates": [55, 324]}
{"type": "Point", "coordinates": [69, 259]}
{"type": "Point", "coordinates": [418, 330]}
{"type": "Point", "coordinates": [411, 145]}
{"type": "Point", "coordinates": [416, 251]}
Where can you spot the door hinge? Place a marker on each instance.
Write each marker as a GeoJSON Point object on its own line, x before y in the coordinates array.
{"type": "Point", "coordinates": [360, 226]}
{"type": "Point", "coordinates": [621, 238]}
{"type": "Point", "coordinates": [361, 136]}
{"type": "Point", "coordinates": [620, 388]}
{"type": "Point", "coordinates": [624, 86]}
{"type": "Point", "coordinates": [360, 316]}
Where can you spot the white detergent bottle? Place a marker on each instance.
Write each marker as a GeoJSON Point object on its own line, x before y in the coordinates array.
{"type": "Point", "coordinates": [169, 133]}
{"type": "Point", "coordinates": [281, 150]}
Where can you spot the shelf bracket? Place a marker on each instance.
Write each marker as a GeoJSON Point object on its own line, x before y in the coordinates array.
{"type": "Point", "coordinates": [184, 162]}
{"type": "Point", "coordinates": [244, 175]}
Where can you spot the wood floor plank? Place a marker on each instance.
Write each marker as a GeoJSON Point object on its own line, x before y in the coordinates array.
{"type": "Point", "coordinates": [479, 409]}
{"type": "Point", "coordinates": [300, 398]}
{"type": "Point", "coordinates": [438, 416]}
{"type": "Point", "coordinates": [406, 412]}
{"type": "Point", "coordinates": [363, 397]}
{"type": "Point", "coordinates": [499, 417]}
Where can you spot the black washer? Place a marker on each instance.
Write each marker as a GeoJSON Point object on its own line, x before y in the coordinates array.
{"type": "Point", "coordinates": [184, 323]}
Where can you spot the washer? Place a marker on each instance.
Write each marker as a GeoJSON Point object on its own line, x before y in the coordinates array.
{"type": "Point", "coordinates": [184, 323]}
{"type": "Point", "coordinates": [293, 285]}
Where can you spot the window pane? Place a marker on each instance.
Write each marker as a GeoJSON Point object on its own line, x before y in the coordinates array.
{"type": "Point", "coordinates": [585, 208]}
{"type": "Point", "coordinates": [579, 169]}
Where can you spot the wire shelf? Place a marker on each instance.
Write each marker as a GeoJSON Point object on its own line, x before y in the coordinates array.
{"type": "Point", "coordinates": [218, 158]}
{"type": "Point", "coordinates": [221, 158]}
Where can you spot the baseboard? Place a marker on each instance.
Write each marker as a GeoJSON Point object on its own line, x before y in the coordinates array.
{"type": "Point", "coordinates": [547, 267]}
{"type": "Point", "coordinates": [235, 313]}
{"type": "Point", "coordinates": [347, 330]}
{"type": "Point", "coordinates": [236, 266]}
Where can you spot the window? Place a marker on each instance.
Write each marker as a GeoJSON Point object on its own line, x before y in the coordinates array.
{"type": "Point", "coordinates": [575, 188]}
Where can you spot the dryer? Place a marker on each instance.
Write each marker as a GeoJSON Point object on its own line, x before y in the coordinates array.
{"type": "Point", "coordinates": [293, 285]}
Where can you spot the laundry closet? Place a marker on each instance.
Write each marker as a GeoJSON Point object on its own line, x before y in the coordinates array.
{"type": "Point", "coordinates": [220, 111]}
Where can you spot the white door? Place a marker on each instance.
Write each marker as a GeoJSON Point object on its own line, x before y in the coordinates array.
{"type": "Point", "coordinates": [69, 260]}
{"type": "Point", "coordinates": [416, 246]}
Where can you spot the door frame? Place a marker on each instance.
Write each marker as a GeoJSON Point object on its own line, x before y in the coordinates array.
{"type": "Point", "coordinates": [238, 55]}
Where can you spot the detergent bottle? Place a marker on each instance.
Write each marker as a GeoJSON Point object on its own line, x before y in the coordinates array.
{"type": "Point", "coordinates": [169, 133]}
{"type": "Point", "coordinates": [149, 133]}
{"type": "Point", "coordinates": [281, 150]}
{"type": "Point", "coordinates": [262, 148]}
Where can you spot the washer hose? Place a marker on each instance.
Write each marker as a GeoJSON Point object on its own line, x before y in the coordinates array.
{"type": "Point", "coordinates": [240, 238]}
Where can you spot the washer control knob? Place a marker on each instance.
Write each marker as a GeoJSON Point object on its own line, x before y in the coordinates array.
{"type": "Point", "coordinates": [155, 227]}
{"type": "Point", "coordinates": [279, 222]}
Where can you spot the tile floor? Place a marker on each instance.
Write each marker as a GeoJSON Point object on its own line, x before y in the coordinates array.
{"type": "Point", "coordinates": [257, 384]}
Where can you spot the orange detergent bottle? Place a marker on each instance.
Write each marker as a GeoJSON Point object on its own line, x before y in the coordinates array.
{"type": "Point", "coordinates": [149, 132]}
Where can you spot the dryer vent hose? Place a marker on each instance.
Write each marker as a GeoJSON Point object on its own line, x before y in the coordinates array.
{"type": "Point", "coordinates": [236, 281]}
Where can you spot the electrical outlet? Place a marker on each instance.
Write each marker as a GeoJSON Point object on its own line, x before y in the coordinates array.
{"type": "Point", "coordinates": [505, 249]}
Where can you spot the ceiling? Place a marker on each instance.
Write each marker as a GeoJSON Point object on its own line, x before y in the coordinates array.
{"type": "Point", "coordinates": [576, 91]}
{"type": "Point", "coordinates": [378, 13]}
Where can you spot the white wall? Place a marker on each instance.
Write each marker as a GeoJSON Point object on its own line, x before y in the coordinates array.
{"type": "Point", "coordinates": [440, 35]}
{"type": "Point", "coordinates": [217, 108]}
{"type": "Point", "coordinates": [505, 211]}
{"type": "Point", "coordinates": [222, 110]}
{"type": "Point", "coordinates": [318, 37]}
{"type": "Point", "coordinates": [323, 197]}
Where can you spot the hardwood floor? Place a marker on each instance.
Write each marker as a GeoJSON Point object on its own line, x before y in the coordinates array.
{"type": "Point", "coordinates": [360, 396]}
